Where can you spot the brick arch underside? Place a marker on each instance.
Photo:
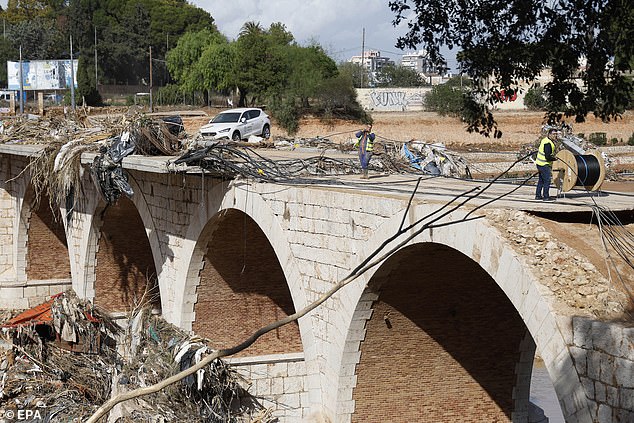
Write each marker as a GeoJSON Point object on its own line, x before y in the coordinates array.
{"type": "Point", "coordinates": [441, 345]}
{"type": "Point", "coordinates": [47, 248]}
{"type": "Point", "coordinates": [125, 274]}
{"type": "Point", "coordinates": [242, 288]}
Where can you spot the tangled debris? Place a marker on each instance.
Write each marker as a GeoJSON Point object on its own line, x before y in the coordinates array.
{"type": "Point", "coordinates": [228, 160]}
{"type": "Point", "coordinates": [65, 358]}
{"type": "Point", "coordinates": [56, 171]}
{"type": "Point", "coordinates": [56, 359]}
{"type": "Point", "coordinates": [434, 159]}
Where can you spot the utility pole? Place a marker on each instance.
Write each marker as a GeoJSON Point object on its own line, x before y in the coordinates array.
{"type": "Point", "coordinates": [150, 79]}
{"type": "Point", "coordinates": [96, 75]}
{"type": "Point", "coordinates": [72, 77]}
{"type": "Point", "coordinates": [21, 84]}
{"type": "Point", "coordinates": [362, 57]}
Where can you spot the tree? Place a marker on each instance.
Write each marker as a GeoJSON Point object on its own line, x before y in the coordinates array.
{"type": "Point", "coordinates": [7, 53]}
{"type": "Point", "coordinates": [39, 39]}
{"type": "Point", "coordinates": [513, 41]}
{"type": "Point", "coordinates": [353, 71]}
{"type": "Point", "coordinates": [535, 99]}
{"type": "Point", "coordinates": [182, 60]}
{"type": "Point", "coordinates": [310, 66]}
{"type": "Point", "coordinates": [398, 76]}
{"type": "Point", "coordinates": [86, 84]}
{"type": "Point", "coordinates": [449, 99]}
{"type": "Point", "coordinates": [261, 66]}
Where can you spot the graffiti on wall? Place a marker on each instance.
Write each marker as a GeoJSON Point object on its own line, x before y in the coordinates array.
{"type": "Point", "coordinates": [388, 98]}
{"type": "Point", "coordinates": [395, 99]}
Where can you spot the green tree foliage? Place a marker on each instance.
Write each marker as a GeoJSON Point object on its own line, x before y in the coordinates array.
{"type": "Point", "coordinates": [7, 53]}
{"type": "Point", "coordinates": [125, 30]}
{"type": "Point", "coordinates": [39, 38]}
{"type": "Point", "coordinates": [20, 10]}
{"type": "Point", "coordinates": [535, 99]}
{"type": "Point", "coordinates": [309, 67]}
{"type": "Point", "coordinates": [513, 41]}
{"type": "Point", "coordinates": [354, 72]}
{"type": "Point", "coordinates": [398, 76]}
{"type": "Point", "coordinates": [185, 60]}
{"type": "Point", "coordinates": [337, 98]}
{"type": "Point", "coordinates": [450, 98]}
{"type": "Point", "coordinates": [261, 67]}
{"type": "Point", "coordinates": [86, 85]}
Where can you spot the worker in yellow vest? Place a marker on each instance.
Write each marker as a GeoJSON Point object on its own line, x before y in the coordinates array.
{"type": "Point", "coordinates": [365, 144]}
{"type": "Point", "coordinates": [544, 162]}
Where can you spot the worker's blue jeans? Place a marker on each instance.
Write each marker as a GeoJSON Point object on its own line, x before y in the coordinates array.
{"type": "Point", "coordinates": [543, 183]}
{"type": "Point", "coordinates": [364, 158]}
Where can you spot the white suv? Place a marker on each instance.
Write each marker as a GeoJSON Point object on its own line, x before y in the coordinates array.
{"type": "Point", "coordinates": [238, 124]}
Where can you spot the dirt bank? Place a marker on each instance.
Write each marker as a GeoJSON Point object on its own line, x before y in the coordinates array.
{"type": "Point", "coordinates": [517, 127]}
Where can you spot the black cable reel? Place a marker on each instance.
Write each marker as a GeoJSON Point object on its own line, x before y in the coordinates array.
{"type": "Point", "coordinates": [578, 170]}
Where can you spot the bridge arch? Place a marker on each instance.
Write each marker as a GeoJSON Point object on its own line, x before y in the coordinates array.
{"type": "Point", "coordinates": [44, 234]}
{"type": "Point", "coordinates": [230, 198]}
{"type": "Point", "coordinates": [482, 249]}
{"type": "Point", "coordinates": [139, 238]}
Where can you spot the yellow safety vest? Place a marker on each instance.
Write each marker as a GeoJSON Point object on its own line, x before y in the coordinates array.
{"type": "Point", "coordinates": [369, 142]}
{"type": "Point", "coordinates": [541, 154]}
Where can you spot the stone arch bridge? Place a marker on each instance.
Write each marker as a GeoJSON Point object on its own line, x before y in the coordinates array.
{"type": "Point", "coordinates": [444, 326]}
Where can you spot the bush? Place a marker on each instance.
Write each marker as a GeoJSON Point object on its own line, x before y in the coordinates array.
{"type": "Point", "coordinates": [614, 141]}
{"type": "Point", "coordinates": [285, 112]}
{"type": "Point", "coordinates": [337, 98]}
{"type": "Point", "coordinates": [598, 138]}
{"type": "Point", "coordinates": [447, 99]}
{"type": "Point", "coordinates": [535, 99]}
{"type": "Point", "coordinates": [631, 140]}
{"type": "Point", "coordinates": [169, 95]}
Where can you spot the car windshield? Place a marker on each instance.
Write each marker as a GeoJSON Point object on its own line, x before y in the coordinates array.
{"type": "Point", "coordinates": [226, 118]}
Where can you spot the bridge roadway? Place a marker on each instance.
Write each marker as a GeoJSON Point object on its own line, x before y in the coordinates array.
{"type": "Point", "coordinates": [443, 328]}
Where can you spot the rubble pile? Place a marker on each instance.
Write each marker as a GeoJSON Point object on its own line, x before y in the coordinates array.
{"type": "Point", "coordinates": [571, 278]}
{"type": "Point", "coordinates": [56, 170]}
{"type": "Point", "coordinates": [55, 358]}
{"type": "Point", "coordinates": [434, 159]}
{"type": "Point", "coordinates": [65, 359]}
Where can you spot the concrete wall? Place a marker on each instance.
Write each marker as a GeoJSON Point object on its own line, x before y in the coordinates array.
{"type": "Point", "coordinates": [412, 99]}
{"type": "Point", "coordinates": [392, 99]}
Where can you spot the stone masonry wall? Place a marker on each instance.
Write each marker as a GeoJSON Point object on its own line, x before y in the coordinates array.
{"type": "Point", "coordinates": [278, 382]}
{"type": "Point", "coordinates": [604, 358]}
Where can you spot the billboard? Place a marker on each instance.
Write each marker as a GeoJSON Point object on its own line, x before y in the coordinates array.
{"type": "Point", "coordinates": [41, 74]}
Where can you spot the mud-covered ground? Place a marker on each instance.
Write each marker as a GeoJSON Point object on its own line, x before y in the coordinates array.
{"type": "Point", "coordinates": [518, 128]}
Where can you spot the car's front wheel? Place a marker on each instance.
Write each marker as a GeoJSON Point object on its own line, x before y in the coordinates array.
{"type": "Point", "coordinates": [266, 132]}
{"type": "Point", "coordinates": [236, 136]}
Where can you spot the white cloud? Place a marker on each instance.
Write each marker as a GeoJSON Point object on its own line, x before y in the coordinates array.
{"type": "Point", "coordinates": [336, 24]}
